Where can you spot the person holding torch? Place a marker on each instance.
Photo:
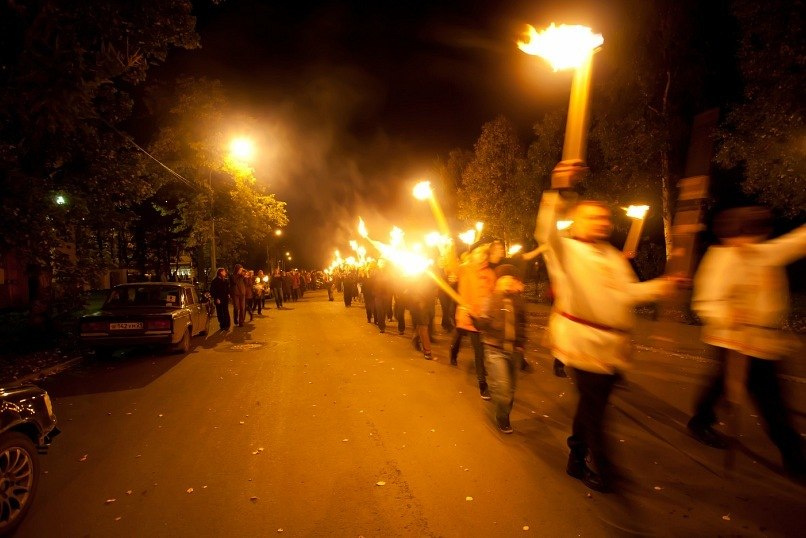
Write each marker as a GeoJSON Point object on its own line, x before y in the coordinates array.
{"type": "Point", "coordinates": [591, 333]}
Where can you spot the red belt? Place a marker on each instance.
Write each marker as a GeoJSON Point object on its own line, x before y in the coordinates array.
{"type": "Point", "coordinates": [592, 324]}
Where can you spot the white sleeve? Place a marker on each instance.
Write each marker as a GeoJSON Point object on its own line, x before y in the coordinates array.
{"type": "Point", "coordinates": [711, 297]}
{"type": "Point", "coordinates": [786, 249]}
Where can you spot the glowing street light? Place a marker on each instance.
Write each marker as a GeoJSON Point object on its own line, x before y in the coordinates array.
{"type": "Point", "coordinates": [60, 199]}
{"type": "Point", "coordinates": [242, 149]}
{"type": "Point", "coordinates": [569, 47]}
{"type": "Point", "coordinates": [278, 232]}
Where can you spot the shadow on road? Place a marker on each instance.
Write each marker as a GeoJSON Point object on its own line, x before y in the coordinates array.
{"type": "Point", "coordinates": [127, 369]}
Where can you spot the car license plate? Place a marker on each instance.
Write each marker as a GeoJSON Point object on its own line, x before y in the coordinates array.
{"type": "Point", "coordinates": [125, 326]}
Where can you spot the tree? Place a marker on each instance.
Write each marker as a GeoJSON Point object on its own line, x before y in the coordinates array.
{"type": "Point", "coordinates": [764, 132]}
{"type": "Point", "coordinates": [67, 78]}
{"type": "Point", "coordinates": [193, 142]}
{"type": "Point", "coordinates": [495, 188]}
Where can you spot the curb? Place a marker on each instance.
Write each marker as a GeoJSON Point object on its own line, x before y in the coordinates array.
{"type": "Point", "coordinates": [45, 372]}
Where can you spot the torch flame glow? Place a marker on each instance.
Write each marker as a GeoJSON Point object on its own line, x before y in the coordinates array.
{"type": "Point", "coordinates": [362, 228]}
{"type": "Point", "coordinates": [564, 224]}
{"type": "Point", "coordinates": [354, 245]}
{"type": "Point", "coordinates": [396, 236]}
{"type": "Point", "coordinates": [564, 47]}
{"type": "Point", "coordinates": [468, 237]}
{"type": "Point", "coordinates": [514, 249]}
{"type": "Point", "coordinates": [636, 211]}
{"type": "Point", "coordinates": [422, 190]}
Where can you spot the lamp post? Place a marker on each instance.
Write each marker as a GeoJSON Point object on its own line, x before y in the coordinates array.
{"type": "Point", "coordinates": [569, 47]}
{"type": "Point", "coordinates": [240, 149]}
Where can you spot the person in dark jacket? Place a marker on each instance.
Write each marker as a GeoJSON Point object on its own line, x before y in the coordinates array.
{"type": "Point", "coordinates": [276, 285]}
{"type": "Point", "coordinates": [219, 291]}
{"type": "Point", "coordinates": [238, 292]}
{"type": "Point", "coordinates": [503, 331]}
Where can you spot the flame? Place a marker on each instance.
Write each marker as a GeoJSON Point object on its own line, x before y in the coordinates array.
{"type": "Point", "coordinates": [396, 236]}
{"type": "Point", "coordinates": [514, 249]}
{"type": "Point", "coordinates": [468, 237]}
{"type": "Point", "coordinates": [361, 251]}
{"type": "Point", "coordinates": [422, 190]}
{"type": "Point", "coordinates": [564, 224]}
{"type": "Point", "coordinates": [564, 47]}
{"type": "Point", "coordinates": [362, 228]}
{"type": "Point", "coordinates": [636, 211]}
{"type": "Point", "coordinates": [354, 245]}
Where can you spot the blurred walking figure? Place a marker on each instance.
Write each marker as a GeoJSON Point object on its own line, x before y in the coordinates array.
{"type": "Point", "coordinates": [250, 294]}
{"type": "Point", "coordinates": [741, 293]}
{"type": "Point", "coordinates": [219, 292]}
{"type": "Point", "coordinates": [238, 287]}
{"type": "Point", "coordinates": [383, 295]}
{"type": "Point", "coordinates": [591, 334]}
{"type": "Point", "coordinates": [476, 281]}
{"type": "Point", "coordinates": [503, 330]}
{"type": "Point", "coordinates": [276, 284]}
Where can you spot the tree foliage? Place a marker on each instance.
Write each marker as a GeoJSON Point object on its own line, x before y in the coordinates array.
{"type": "Point", "coordinates": [67, 77]}
{"type": "Point", "coordinates": [495, 185]}
{"type": "Point", "coordinates": [193, 141]}
{"type": "Point", "coordinates": [765, 133]}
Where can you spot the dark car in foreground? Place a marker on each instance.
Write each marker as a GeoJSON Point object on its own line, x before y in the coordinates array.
{"type": "Point", "coordinates": [27, 425]}
{"type": "Point", "coordinates": [147, 313]}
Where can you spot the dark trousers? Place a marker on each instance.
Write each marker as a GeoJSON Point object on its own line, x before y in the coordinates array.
{"type": "Point", "coordinates": [763, 386]}
{"type": "Point", "coordinates": [400, 315]}
{"type": "Point", "coordinates": [478, 351]}
{"type": "Point", "coordinates": [586, 434]}
{"type": "Point", "coordinates": [278, 297]}
{"type": "Point", "coordinates": [448, 307]}
{"type": "Point", "coordinates": [381, 306]}
{"type": "Point", "coordinates": [369, 307]}
{"type": "Point", "coordinates": [222, 313]}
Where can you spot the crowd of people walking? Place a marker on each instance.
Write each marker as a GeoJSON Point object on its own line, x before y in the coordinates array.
{"type": "Point", "coordinates": [248, 292]}
{"type": "Point", "coordinates": [595, 293]}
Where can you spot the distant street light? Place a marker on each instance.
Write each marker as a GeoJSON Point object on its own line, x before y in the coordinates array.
{"type": "Point", "coordinates": [60, 199]}
{"type": "Point", "coordinates": [278, 232]}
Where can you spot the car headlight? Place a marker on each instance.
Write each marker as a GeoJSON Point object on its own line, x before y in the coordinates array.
{"type": "Point", "coordinates": [48, 404]}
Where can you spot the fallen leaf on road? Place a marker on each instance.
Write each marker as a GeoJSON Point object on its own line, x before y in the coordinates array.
{"type": "Point", "coordinates": [468, 498]}
{"type": "Point", "coordinates": [658, 488]}
{"type": "Point", "coordinates": [726, 517]}
{"type": "Point", "coordinates": [128, 492]}
{"type": "Point", "coordinates": [118, 518]}
{"type": "Point", "coordinates": [433, 430]}
{"type": "Point", "coordinates": [110, 501]}
{"type": "Point", "coordinates": [589, 496]}
{"type": "Point", "coordinates": [380, 483]}
{"type": "Point", "coordinates": [344, 440]}
{"type": "Point", "coordinates": [160, 414]}
{"type": "Point", "coordinates": [526, 527]}
{"type": "Point", "coordinates": [83, 458]}
{"type": "Point", "coordinates": [241, 422]}
{"type": "Point", "coordinates": [190, 490]}
{"type": "Point", "coordinates": [253, 499]}
{"type": "Point", "coordinates": [279, 530]}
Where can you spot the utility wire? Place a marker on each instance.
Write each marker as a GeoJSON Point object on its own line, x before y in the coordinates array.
{"type": "Point", "coordinates": [143, 150]}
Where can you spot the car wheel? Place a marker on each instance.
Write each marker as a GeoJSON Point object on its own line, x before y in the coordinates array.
{"type": "Point", "coordinates": [19, 479]}
{"type": "Point", "coordinates": [183, 346]}
{"type": "Point", "coordinates": [206, 330]}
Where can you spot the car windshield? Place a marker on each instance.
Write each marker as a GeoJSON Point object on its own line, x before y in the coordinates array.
{"type": "Point", "coordinates": [170, 296]}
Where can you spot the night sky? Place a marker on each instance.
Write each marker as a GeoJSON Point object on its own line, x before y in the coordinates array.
{"type": "Point", "coordinates": [357, 100]}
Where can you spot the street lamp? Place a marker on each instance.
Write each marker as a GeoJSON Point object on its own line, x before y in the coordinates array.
{"type": "Point", "coordinates": [241, 149]}
{"type": "Point", "coordinates": [569, 47]}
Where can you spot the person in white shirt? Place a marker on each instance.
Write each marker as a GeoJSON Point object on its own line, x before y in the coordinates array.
{"type": "Point", "coordinates": [741, 293]}
{"type": "Point", "coordinates": [593, 321]}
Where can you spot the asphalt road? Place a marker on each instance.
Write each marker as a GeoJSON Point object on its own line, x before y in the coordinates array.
{"type": "Point", "coordinates": [308, 422]}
